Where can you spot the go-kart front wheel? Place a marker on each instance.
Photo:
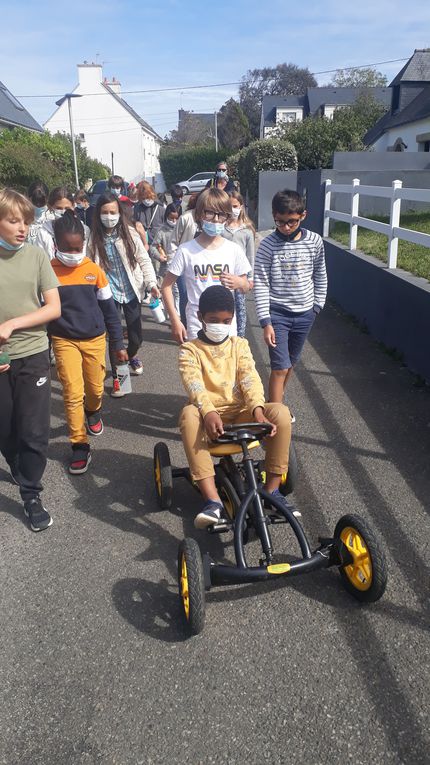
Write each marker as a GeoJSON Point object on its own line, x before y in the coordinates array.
{"type": "Point", "coordinates": [163, 477]}
{"type": "Point", "coordinates": [365, 578]}
{"type": "Point", "coordinates": [191, 582]}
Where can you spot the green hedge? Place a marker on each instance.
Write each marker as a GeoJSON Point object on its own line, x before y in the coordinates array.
{"type": "Point", "coordinates": [180, 164]}
{"type": "Point", "coordinates": [269, 154]}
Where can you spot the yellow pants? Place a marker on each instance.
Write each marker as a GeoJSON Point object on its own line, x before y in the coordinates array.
{"type": "Point", "coordinates": [81, 368]}
{"type": "Point", "coordinates": [196, 443]}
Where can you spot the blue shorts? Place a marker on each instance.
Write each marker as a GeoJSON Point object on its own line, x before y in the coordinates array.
{"type": "Point", "coordinates": [291, 331]}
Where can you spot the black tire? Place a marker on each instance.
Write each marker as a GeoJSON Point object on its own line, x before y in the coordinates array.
{"type": "Point", "coordinates": [191, 583]}
{"type": "Point", "coordinates": [163, 477]}
{"type": "Point", "coordinates": [366, 579]}
{"type": "Point", "coordinates": [228, 494]}
{"type": "Point", "coordinates": [184, 190]}
{"type": "Point", "coordinates": [288, 486]}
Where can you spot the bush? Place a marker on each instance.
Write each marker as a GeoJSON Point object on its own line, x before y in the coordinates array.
{"type": "Point", "coordinates": [269, 154]}
{"type": "Point", "coordinates": [180, 164]}
{"type": "Point", "coordinates": [26, 157]}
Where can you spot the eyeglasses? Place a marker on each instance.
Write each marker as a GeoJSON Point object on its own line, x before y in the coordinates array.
{"type": "Point", "coordinates": [291, 223]}
{"type": "Point", "coordinates": [210, 215]}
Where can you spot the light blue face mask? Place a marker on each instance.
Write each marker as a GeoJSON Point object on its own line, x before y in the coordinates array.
{"type": "Point", "coordinates": [212, 229]}
{"type": "Point", "coordinates": [10, 247]}
{"type": "Point", "coordinates": [38, 211]}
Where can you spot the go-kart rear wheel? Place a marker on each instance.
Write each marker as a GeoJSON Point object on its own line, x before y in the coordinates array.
{"type": "Point", "coordinates": [228, 494]}
{"type": "Point", "coordinates": [289, 481]}
{"type": "Point", "coordinates": [366, 577]}
{"type": "Point", "coordinates": [163, 477]}
{"type": "Point", "coordinates": [191, 582]}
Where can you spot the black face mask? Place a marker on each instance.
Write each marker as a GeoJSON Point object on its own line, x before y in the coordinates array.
{"type": "Point", "coordinates": [290, 237]}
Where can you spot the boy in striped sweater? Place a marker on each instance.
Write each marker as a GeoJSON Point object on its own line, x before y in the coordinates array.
{"type": "Point", "coordinates": [290, 287]}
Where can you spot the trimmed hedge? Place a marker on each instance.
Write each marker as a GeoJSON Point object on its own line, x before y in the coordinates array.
{"type": "Point", "coordinates": [269, 154]}
{"type": "Point", "coordinates": [180, 164]}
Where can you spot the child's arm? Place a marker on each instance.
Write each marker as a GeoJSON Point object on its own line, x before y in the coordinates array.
{"type": "Point", "coordinates": [154, 250]}
{"type": "Point", "coordinates": [176, 268]}
{"type": "Point", "coordinates": [320, 278]}
{"type": "Point", "coordinates": [48, 312]}
{"type": "Point", "coordinates": [143, 235]}
{"type": "Point", "coordinates": [262, 293]}
{"type": "Point", "coordinates": [248, 378]}
{"type": "Point", "coordinates": [144, 261]}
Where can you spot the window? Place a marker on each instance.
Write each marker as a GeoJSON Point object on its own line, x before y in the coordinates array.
{"type": "Point", "coordinates": [286, 116]}
{"type": "Point", "coordinates": [11, 98]}
{"type": "Point", "coordinates": [82, 136]}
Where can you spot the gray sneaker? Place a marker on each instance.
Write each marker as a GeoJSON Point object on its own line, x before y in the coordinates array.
{"type": "Point", "coordinates": [37, 515]}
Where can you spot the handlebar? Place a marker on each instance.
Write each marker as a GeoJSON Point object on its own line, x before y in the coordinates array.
{"type": "Point", "coordinates": [245, 431]}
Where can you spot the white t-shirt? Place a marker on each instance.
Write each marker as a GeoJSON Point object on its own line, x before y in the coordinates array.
{"type": "Point", "coordinates": [202, 268]}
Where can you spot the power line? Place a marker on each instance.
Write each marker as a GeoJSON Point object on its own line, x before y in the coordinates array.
{"type": "Point", "coordinates": [219, 84]}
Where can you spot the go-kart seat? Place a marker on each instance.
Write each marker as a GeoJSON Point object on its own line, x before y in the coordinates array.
{"type": "Point", "coordinates": [223, 450]}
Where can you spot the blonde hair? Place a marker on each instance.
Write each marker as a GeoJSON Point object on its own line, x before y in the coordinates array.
{"type": "Point", "coordinates": [215, 199]}
{"type": "Point", "coordinates": [243, 218]}
{"type": "Point", "coordinates": [145, 188]}
{"type": "Point", "coordinates": [12, 201]}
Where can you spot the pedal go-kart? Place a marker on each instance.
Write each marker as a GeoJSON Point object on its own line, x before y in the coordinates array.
{"type": "Point", "coordinates": [353, 549]}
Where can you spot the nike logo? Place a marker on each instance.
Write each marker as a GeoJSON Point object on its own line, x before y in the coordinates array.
{"type": "Point", "coordinates": [41, 381]}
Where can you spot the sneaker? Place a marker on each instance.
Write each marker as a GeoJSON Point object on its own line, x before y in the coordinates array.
{"type": "Point", "coordinates": [81, 459]}
{"type": "Point", "coordinates": [39, 517]}
{"type": "Point", "coordinates": [284, 500]}
{"type": "Point", "coordinates": [94, 423]}
{"type": "Point", "coordinates": [293, 419]}
{"type": "Point", "coordinates": [116, 391]}
{"type": "Point", "coordinates": [210, 514]}
{"type": "Point", "coordinates": [136, 366]}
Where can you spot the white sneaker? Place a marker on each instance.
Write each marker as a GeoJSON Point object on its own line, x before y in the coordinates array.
{"type": "Point", "coordinates": [210, 515]}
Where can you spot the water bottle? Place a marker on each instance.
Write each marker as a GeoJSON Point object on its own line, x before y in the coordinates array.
{"type": "Point", "coordinates": [4, 358]}
{"type": "Point", "coordinates": [124, 378]}
{"type": "Point", "coordinates": [157, 310]}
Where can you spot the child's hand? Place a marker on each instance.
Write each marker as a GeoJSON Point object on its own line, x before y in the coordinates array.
{"type": "Point", "coordinates": [179, 333]}
{"type": "Point", "coordinates": [213, 425]}
{"type": "Point", "coordinates": [4, 368]}
{"type": "Point", "coordinates": [269, 336]}
{"type": "Point", "coordinates": [260, 417]}
{"type": "Point", "coordinates": [6, 330]}
{"type": "Point", "coordinates": [155, 292]}
{"type": "Point", "coordinates": [231, 281]}
{"type": "Point", "coordinates": [121, 356]}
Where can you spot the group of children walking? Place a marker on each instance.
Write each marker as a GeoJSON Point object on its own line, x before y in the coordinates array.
{"type": "Point", "coordinates": [75, 283]}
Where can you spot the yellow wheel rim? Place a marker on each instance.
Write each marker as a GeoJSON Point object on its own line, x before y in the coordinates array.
{"type": "Point", "coordinates": [228, 504]}
{"type": "Point", "coordinates": [157, 475]}
{"type": "Point", "coordinates": [185, 595]}
{"type": "Point", "coordinates": [359, 572]}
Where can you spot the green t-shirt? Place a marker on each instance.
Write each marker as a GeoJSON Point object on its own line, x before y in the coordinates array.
{"type": "Point", "coordinates": [24, 276]}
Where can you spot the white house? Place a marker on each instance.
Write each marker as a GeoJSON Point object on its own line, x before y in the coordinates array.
{"type": "Point", "coordinates": [109, 128]}
{"type": "Point", "coordinates": [406, 126]}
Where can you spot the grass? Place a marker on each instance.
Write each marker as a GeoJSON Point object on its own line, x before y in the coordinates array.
{"type": "Point", "coordinates": [411, 257]}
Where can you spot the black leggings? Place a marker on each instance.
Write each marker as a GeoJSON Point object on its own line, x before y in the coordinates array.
{"type": "Point", "coordinates": [132, 315]}
{"type": "Point", "coordinates": [25, 405]}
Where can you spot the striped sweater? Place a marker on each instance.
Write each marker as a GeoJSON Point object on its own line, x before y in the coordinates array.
{"type": "Point", "coordinates": [289, 274]}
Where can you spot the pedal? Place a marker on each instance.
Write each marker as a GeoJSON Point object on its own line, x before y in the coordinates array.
{"type": "Point", "coordinates": [220, 527]}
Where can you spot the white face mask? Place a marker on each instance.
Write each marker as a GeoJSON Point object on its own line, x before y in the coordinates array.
{"type": "Point", "coordinates": [58, 213]}
{"type": "Point", "coordinates": [117, 192]}
{"type": "Point", "coordinates": [171, 223]}
{"type": "Point", "coordinates": [148, 202]}
{"type": "Point", "coordinates": [109, 220]}
{"type": "Point", "coordinates": [217, 332]}
{"type": "Point", "coordinates": [235, 212]}
{"type": "Point", "coordinates": [70, 259]}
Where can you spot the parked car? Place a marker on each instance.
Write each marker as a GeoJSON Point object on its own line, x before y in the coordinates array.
{"type": "Point", "coordinates": [197, 182]}
{"type": "Point", "coordinates": [98, 188]}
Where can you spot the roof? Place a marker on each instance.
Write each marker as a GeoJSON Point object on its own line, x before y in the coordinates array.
{"type": "Point", "coordinates": [417, 69]}
{"type": "Point", "coordinates": [318, 97]}
{"type": "Point", "coordinates": [417, 109]}
{"type": "Point", "coordinates": [13, 113]}
{"type": "Point", "coordinates": [131, 111]}
{"type": "Point", "coordinates": [271, 103]}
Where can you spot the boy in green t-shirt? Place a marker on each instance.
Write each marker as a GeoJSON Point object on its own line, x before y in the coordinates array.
{"type": "Point", "coordinates": [26, 277]}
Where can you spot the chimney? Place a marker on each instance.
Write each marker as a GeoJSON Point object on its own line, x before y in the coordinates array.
{"type": "Point", "coordinates": [114, 85]}
{"type": "Point", "coordinates": [89, 77]}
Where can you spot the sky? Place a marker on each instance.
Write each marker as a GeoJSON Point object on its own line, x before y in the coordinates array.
{"type": "Point", "coordinates": [180, 43]}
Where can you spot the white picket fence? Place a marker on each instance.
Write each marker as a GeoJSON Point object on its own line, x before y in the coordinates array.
{"type": "Point", "coordinates": [392, 230]}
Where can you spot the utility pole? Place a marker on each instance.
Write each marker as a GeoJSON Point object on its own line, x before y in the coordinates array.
{"type": "Point", "coordinates": [216, 131]}
{"type": "Point", "coordinates": [68, 97]}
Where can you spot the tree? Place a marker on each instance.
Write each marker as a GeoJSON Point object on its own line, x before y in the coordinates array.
{"type": "Point", "coordinates": [193, 131]}
{"type": "Point", "coordinates": [281, 80]}
{"type": "Point", "coordinates": [364, 77]}
{"type": "Point", "coordinates": [317, 138]}
{"type": "Point", "coordinates": [233, 126]}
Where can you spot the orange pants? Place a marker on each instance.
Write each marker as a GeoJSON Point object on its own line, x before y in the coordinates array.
{"type": "Point", "coordinates": [197, 446]}
{"type": "Point", "coordinates": [81, 369]}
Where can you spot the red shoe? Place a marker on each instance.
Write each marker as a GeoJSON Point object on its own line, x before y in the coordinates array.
{"type": "Point", "coordinates": [81, 459]}
{"type": "Point", "coordinates": [116, 389]}
{"type": "Point", "coordinates": [94, 423]}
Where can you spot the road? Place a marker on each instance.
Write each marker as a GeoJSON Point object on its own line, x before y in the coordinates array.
{"type": "Point", "coordinates": [95, 666]}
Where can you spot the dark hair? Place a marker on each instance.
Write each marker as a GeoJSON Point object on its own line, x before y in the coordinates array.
{"type": "Point", "coordinates": [60, 192]}
{"type": "Point", "coordinates": [69, 223]}
{"type": "Point", "coordinates": [216, 298]}
{"type": "Point", "coordinates": [170, 209]}
{"type": "Point", "coordinates": [81, 195]}
{"type": "Point", "coordinates": [287, 201]}
{"type": "Point", "coordinates": [176, 191]}
{"type": "Point", "coordinates": [115, 181]}
{"type": "Point", "coordinates": [97, 242]}
{"type": "Point", "coordinates": [38, 193]}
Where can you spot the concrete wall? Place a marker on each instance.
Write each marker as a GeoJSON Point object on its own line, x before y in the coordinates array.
{"type": "Point", "coordinates": [394, 305]}
{"type": "Point", "coordinates": [269, 183]}
{"type": "Point", "coordinates": [355, 161]}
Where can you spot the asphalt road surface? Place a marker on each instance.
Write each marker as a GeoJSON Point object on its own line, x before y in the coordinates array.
{"type": "Point", "coordinates": [95, 666]}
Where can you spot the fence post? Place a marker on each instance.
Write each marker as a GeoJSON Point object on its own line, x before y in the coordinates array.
{"type": "Point", "coordinates": [353, 228]}
{"type": "Point", "coordinates": [327, 202]}
{"type": "Point", "coordinates": [393, 241]}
